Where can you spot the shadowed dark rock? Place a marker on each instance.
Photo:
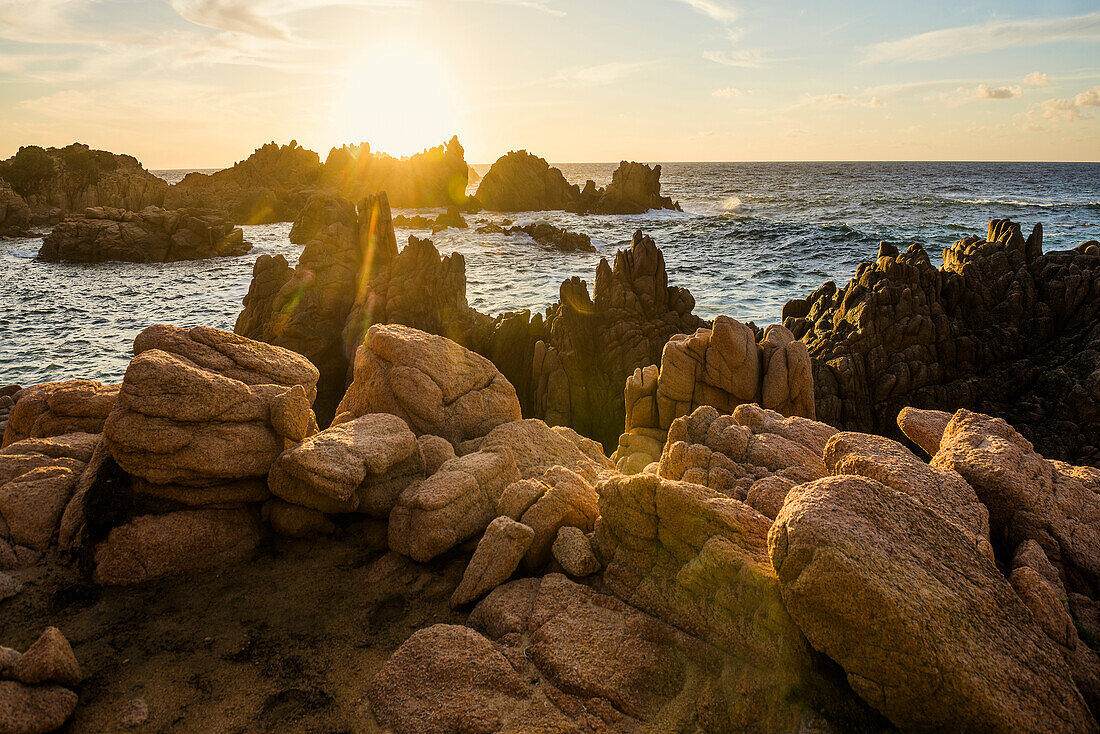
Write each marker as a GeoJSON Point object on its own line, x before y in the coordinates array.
{"type": "Point", "coordinates": [151, 235]}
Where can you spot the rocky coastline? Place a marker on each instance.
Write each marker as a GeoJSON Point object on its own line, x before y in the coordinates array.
{"type": "Point", "coordinates": [372, 507]}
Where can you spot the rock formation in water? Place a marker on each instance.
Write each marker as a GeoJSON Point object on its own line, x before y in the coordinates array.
{"type": "Point", "coordinates": [1000, 326]}
{"type": "Point", "coordinates": [277, 183]}
{"type": "Point", "coordinates": [15, 215]}
{"type": "Point", "coordinates": [635, 188]}
{"type": "Point", "coordinates": [550, 236]}
{"type": "Point", "coordinates": [54, 182]}
{"type": "Point", "coordinates": [452, 218]}
{"type": "Point", "coordinates": [520, 181]}
{"type": "Point", "coordinates": [436, 177]}
{"type": "Point", "coordinates": [149, 236]}
{"type": "Point", "coordinates": [271, 185]}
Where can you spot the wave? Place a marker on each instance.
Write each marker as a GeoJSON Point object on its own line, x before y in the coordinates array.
{"type": "Point", "coordinates": [1025, 203]}
{"type": "Point", "coordinates": [734, 205]}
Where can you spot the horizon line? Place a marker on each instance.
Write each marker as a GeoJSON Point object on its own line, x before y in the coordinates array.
{"type": "Point", "coordinates": [745, 160]}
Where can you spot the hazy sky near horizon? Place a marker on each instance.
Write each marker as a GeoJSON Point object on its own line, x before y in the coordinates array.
{"type": "Point", "coordinates": [201, 83]}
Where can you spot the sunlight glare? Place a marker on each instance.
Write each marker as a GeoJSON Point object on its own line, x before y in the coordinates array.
{"type": "Point", "coordinates": [398, 98]}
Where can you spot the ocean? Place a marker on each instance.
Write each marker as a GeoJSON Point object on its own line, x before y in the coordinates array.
{"type": "Point", "coordinates": [751, 237]}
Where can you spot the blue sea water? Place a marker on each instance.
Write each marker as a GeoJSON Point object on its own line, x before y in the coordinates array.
{"type": "Point", "coordinates": [751, 237]}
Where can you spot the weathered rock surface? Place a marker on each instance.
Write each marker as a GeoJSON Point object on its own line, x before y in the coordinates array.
{"type": "Point", "coordinates": [101, 234]}
{"type": "Point", "coordinates": [32, 697]}
{"type": "Point", "coordinates": [926, 628]}
{"type": "Point", "coordinates": [496, 558]}
{"type": "Point", "coordinates": [435, 385]}
{"type": "Point", "coordinates": [37, 480]}
{"type": "Point", "coordinates": [451, 506]}
{"type": "Point", "coordinates": [150, 546]}
{"type": "Point", "coordinates": [49, 660]}
{"type": "Point", "coordinates": [200, 407]}
{"type": "Point", "coordinates": [558, 656]}
{"type": "Point", "coordinates": [942, 490]}
{"type": "Point", "coordinates": [1001, 327]}
{"type": "Point", "coordinates": [566, 367]}
{"type": "Point", "coordinates": [1029, 497]}
{"type": "Point", "coordinates": [361, 465]}
{"type": "Point", "coordinates": [595, 343]}
{"type": "Point", "coordinates": [305, 310]}
{"type": "Point", "coordinates": [924, 427]}
{"type": "Point", "coordinates": [754, 455]}
{"type": "Point", "coordinates": [448, 678]}
{"type": "Point", "coordinates": [699, 561]}
{"type": "Point", "coordinates": [57, 408]}
{"type": "Point", "coordinates": [635, 188]}
{"type": "Point", "coordinates": [34, 709]}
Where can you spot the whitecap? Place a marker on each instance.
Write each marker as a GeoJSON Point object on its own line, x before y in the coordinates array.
{"type": "Point", "coordinates": [734, 205]}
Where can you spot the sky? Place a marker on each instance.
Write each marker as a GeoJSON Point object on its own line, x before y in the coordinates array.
{"type": "Point", "coordinates": [201, 83]}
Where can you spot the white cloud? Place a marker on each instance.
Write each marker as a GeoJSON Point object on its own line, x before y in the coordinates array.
{"type": "Point", "coordinates": [239, 16]}
{"type": "Point", "coordinates": [602, 75]}
{"type": "Point", "coordinates": [714, 10]}
{"type": "Point", "coordinates": [748, 58]}
{"type": "Point", "coordinates": [986, 37]}
{"type": "Point", "coordinates": [1067, 110]}
{"type": "Point", "coordinates": [1037, 79]}
{"type": "Point", "coordinates": [544, 6]}
{"type": "Point", "coordinates": [262, 18]}
{"type": "Point", "coordinates": [836, 99]}
{"type": "Point", "coordinates": [727, 92]}
{"type": "Point", "coordinates": [1091, 98]}
{"type": "Point", "coordinates": [984, 91]}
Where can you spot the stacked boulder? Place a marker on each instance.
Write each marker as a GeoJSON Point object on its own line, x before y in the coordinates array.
{"type": "Point", "coordinates": [38, 477]}
{"type": "Point", "coordinates": [36, 693]}
{"type": "Point", "coordinates": [1001, 326]}
{"type": "Point", "coordinates": [722, 366]}
{"type": "Point", "coordinates": [201, 417]}
{"type": "Point", "coordinates": [56, 408]}
{"type": "Point", "coordinates": [152, 235]}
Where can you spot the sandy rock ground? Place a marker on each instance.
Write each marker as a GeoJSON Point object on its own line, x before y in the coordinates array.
{"type": "Point", "coordinates": [285, 643]}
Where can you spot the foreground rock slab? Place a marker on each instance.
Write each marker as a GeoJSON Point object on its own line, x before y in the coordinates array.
{"type": "Point", "coordinates": [927, 629]}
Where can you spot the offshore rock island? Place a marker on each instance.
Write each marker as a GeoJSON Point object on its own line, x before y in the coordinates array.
{"type": "Point", "coordinates": [372, 507]}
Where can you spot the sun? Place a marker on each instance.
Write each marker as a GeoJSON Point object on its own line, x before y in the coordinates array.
{"type": "Point", "coordinates": [398, 98]}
